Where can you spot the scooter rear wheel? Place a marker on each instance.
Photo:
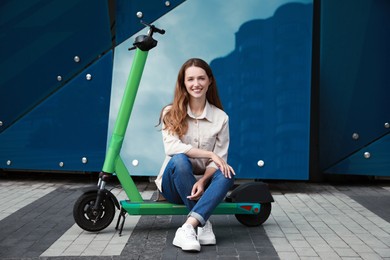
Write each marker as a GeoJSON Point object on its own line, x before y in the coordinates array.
{"type": "Point", "coordinates": [90, 219]}
{"type": "Point", "coordinates": [253, 220]}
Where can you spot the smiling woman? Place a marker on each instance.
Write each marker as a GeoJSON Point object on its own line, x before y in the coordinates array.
{"type": "Point", "coordinates": [195, 133]}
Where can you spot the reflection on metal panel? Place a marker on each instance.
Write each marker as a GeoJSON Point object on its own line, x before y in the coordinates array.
{"type": "Point", "coordinates": [267, 94]}
{"type": "Point", "coordinates": [261, 56]}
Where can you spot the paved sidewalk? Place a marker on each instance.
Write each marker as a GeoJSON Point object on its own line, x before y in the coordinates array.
{"type": "Point", "coordinates": [308, 221]}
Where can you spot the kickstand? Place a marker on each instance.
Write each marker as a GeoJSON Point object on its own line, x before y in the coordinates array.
{"type": "Point", "coordinates": [122, 214]}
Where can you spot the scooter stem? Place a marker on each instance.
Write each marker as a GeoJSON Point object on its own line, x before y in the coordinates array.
{"type": "Point", "coordinates": [113, 163]}
{"type": "Point", "coordinates": [125, 109]}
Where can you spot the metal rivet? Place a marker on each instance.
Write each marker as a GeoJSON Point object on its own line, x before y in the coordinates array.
{"type": "Point", "coordinates": [61, 164]}
{"type": "Point", "coordinates": [135, 162]}
{"type": "Point", "coordinates": [355, 136]}
{"type": "Point", "coordinates": [140, 14]}
{"type": "Point", "coordinates": [76, 59]}
{"type": "Point", "coordinates": [260, 163]}
{"type": "Point", "coordinates": [167, 3]}
{"type": "Point", "coordinates": [88, 76]}
{"type": "Point", "coordinates": [84, 160]}
{"type": "Point", "coordinates": [387, 125]}
{"type": "Point", "coordinates": [367, 155]}
{"type": "Point", "coordinates": [9, 162]}
{"type": "Point", "coordinates": [59, 78]}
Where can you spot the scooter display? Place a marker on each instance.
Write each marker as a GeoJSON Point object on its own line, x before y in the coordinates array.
{"type": "Point", "coordinates": [95, 209]}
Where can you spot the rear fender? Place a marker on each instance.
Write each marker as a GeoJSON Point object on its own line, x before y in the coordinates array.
{"type": "Point", "coordinates": [257, 192]}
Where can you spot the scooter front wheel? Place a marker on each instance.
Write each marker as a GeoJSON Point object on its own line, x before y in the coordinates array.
{"type": "Point", "coordinates": [253, 220]}
{"type": "Point", "coordinates": [91, 219]}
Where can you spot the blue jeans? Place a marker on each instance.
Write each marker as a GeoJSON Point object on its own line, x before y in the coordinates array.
{"type": "Point", "coordinates": [177, 183]}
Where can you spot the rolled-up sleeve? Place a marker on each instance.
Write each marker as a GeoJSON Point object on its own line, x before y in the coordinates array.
{"type": "Point", "coordinates": [173, 145]}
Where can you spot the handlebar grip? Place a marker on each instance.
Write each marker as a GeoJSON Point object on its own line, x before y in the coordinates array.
{"type": "Point", "coordinates": [161, 31]}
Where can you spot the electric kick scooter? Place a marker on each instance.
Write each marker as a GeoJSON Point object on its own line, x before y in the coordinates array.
{"type": "Point", "coordinates": [95, 208]}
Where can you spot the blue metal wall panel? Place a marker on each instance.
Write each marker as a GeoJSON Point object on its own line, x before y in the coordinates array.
{"type": "Point", "coordinates": [370, 160]}
{"type": "Point", "coordinates": [261, 56]}
{"type": "Point", "coordinates": [39, 40]}
{"type": "Point", "coordinates": [354, 80]}
{"type": "Point", "coordinates": [68, 126]}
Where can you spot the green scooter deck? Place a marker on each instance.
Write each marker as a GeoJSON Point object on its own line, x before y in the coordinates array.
{"type": "Point", "coordinates": [164, 208]}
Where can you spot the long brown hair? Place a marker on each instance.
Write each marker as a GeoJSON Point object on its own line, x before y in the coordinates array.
{"type": "Point", "coordinates": [174, 119]}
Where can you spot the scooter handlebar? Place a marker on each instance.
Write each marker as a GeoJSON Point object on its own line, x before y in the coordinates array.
{"type": "Point", "coordinates": [153, 29]}
{"type": "Point", "coordinates": [146, 42]}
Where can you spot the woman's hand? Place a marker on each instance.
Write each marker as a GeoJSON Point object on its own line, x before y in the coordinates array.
{"type": "Point", "coordinates": [197, 190]}
{"type": "Point", "coordinates": [225, 168]}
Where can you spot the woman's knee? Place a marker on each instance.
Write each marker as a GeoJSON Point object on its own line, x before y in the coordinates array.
{"type": "Point", "coordinates": [223, 181]}
{"type": "Point", "coordinates": [179, 158]}
{"type": "Point", "coordinates": [181, 162]}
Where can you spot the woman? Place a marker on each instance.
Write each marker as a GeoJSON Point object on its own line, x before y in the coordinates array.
{"type": "Point", "coordinates": [196, 139]}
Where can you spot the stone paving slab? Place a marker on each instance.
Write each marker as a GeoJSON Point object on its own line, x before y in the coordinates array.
{"type": "Point", "coordinates": [329, 225]}
{"type": "Point", "coordinates": [77, 242]}
{"type": "Point", "coordinates": [308, 221]}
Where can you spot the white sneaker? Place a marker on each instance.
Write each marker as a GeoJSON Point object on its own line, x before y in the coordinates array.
{"type": "Point", "coordinates": [185, 238]}
{"type": "Point", "coordinates": [206, 235]}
